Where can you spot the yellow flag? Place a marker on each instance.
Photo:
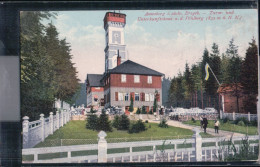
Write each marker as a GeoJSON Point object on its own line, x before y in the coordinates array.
{"type": "Point", "coordinates": [207, 71]}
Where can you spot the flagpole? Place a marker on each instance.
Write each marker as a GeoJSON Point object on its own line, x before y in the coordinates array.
{"type": "Point", "coordinates": [214, 75]}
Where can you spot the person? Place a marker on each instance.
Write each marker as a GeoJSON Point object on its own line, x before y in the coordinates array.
{"type": "Point", "coordinates": [216, 126]}
{"type": "Point", "coordinates": [201, 122]}
{"type": "Point", "coordinates": [205, 124]}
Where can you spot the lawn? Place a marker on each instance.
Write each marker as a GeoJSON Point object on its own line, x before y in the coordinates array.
{"type": "Point", "coordinates": [250, 130]}
{"type": "Point", "coordinates": [75, 133]}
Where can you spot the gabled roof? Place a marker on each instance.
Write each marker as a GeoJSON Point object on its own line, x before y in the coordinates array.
{"type": "Point", "coordinates": [95, 80]}
{"type": "Point", "coordinates": [130, 67]}
{"type": "Point", "coordinates": [224, 88]}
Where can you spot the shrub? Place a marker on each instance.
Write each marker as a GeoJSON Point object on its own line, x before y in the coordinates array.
{"type": "Point", "coordinates": [116, 121]}
{"type": "Point", "coordinates": [138, 111]}
{"type": "Point", "coordinates": [103, 123]}
{"type": "Point", "coordinates": [193, 120]}
{"type": "Point", "coordinates": [151, 112]}
{"type": "Point", "coordinates": [241, 123]}
{"type": "Point", "coordinates": [92, 122]}
{"type": "Point", "coordinates": [243, 119]}
{"type": "Point", "coordinates": [146, 121]}
{"type": "Point", "coordinates": [124, 122]}
{"type": "Point", "coordinates": [143, 110]}
{"type": "Point", "coordinates": [163, 124]}
{"type": "Point", "coordinates": [137, 127]}
{"type": "Point", "coordinates": [254, 123]}
{"type": "Point", "coordinates": [225, 120]}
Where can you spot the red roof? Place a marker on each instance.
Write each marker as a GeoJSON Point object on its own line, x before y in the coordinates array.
{"type": "Point", "coordinates": [224, 88]}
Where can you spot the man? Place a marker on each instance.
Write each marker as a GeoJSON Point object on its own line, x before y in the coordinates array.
{"type": "Point", "coordinates": [205, 123]}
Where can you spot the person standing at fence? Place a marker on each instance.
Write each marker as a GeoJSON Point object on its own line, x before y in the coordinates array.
{"type": "Point", "coordinates": [216, 126]}
{"type": "Point", "coordinates": [205, 124]}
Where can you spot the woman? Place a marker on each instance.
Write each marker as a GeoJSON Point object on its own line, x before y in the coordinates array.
{"type": "Point", "coordinates": [216, 126]}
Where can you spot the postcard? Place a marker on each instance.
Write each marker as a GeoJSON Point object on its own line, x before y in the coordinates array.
{"type": "Point", "coordinates": [124, 86]}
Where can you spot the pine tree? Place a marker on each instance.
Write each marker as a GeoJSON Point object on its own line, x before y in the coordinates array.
{"type": "Point", "coordinates": [131, 107]}
{"type": "Point", "coordinates": [234, 68]}
{"type": "Point", "coordinates": [124, 122]}
{"type": "Point", "coordinates": [189, 86]}
{"type": "Point", "coordinates": [104, 123]}
{"type": "Point", "coordinates": [92, 122]}
{"type": "Point", "coordinates": [116, 121]}
{"type": "Point", "coordinates": [249, 77]}
{"type": "Point", "coordinates": [155, 105]}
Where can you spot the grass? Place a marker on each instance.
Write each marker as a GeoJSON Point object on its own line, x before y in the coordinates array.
{"type": "Point", "coordinates": [250, 130]}
{"type": "Point", "coordinates": [75, 133]}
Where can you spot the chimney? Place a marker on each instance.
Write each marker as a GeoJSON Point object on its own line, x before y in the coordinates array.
{"type": "Point", "coordinates": [118, 58]}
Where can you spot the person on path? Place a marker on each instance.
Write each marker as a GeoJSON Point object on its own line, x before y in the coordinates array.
{"type": "Point", "coordinates": [216, 126]}
{"type": "Point", "coordinates": [201, 122]}
{"type": "Point", "coordinates": [205, 124]}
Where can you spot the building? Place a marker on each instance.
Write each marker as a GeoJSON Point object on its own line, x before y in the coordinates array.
{"type": "Point", "coordinates": [122, 78]}
{"type": "Point", "coordinates": [95, 91]}
{"type": "Point", "coordinates": [233, 98]}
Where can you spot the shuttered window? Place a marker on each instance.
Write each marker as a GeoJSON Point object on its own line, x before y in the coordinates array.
{"type": "Point", "coordinates": [116, 96]}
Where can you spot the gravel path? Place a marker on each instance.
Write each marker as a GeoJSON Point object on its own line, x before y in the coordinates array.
{"type": "Point", "coordinates": [221, 133]}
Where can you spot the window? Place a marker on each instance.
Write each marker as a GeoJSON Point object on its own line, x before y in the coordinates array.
{"type": "Point", "coordinates": [136, 96]}
{"type": "Point", "coordinates": [149, 79]}
{"type": "Point", "coordinates": [151, 97]}
{"type": "Point", "coordinates": [146, 97]}
{"type": "Point", "coordinates": [126, 97]}
{"type": "Point", "coordinates": [123, 78]}
{"type": "Point", "coordinates": [120, 96]}
{"type": "Point", "coordinates": [136, 79]}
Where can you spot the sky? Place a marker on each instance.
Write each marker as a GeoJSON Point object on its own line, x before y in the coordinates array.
{"type": "Point", "coordinates": [163, 45]}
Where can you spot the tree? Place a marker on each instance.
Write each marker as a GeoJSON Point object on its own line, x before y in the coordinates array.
{"type": "Point", "coordinates": [104, 123]}
{"type": "Point", "coordinates": [138, 111]}
{"type": "Point", "coordinates": [116, 121]}
{"type": "Point", "coordinates": [234, 68]}
{"type": "Point", "coordinates": [249, 77]}
{"type": "Point", "coordinates": [124, 122]}
{"type": "Point", "coordinates": [92, 122]}
{"type": "Point", "coordinates": [155, 105]}
{"type": "Point", "coordinates": [131, 107]}
{"type": "Point", "coordinates": [143, 110]}
{"type": "Point", "coordinates": [196, 77]}
{"type": "Point", "coordinates": [188, 85]}
{"type": "Point", "coordinates": [37, 91]}
{"type": "Point", "coordinates": [215, 65]}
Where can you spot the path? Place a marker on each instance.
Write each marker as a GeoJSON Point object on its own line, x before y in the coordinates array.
{"type": "Point", "coordinates": [221, 133]}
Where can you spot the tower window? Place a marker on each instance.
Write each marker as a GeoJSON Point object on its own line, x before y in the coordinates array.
{"type": "Point", "coordinates": [136, 78]}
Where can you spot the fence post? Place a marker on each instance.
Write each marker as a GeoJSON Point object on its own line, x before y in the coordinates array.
{"type": "Point", "coordinates": [102, 147]}
{"type": "Point", "coordinates": [234, 116]}
{"type": "Point", "coordinates": [62, 122]}
{"type": "Point", "coordinates": [197, 144]}
{"type": "Point", "coordinates": [51, 122]}
{"type": "Point", "coordinates": [248, 116]}
{"type": "Point", "coordinates": [25, 132]}
{"type": "Point", "coordinates": [58, 119]}
{"type": "Point", "coordinates": [42, 126]}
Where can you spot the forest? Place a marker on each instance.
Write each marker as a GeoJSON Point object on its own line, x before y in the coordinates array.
{"type": "Point", "coordinates": [190, 89]}
{"type": "Point", "coordinates": [47, 72]}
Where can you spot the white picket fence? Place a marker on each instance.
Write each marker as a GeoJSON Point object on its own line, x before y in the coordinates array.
{"type": "Point", "coordinates": [198, 152]}
{"type": "Point", "coordinates": [36, 131]}
{"type": "Point", "coordinates": [233, 116]}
